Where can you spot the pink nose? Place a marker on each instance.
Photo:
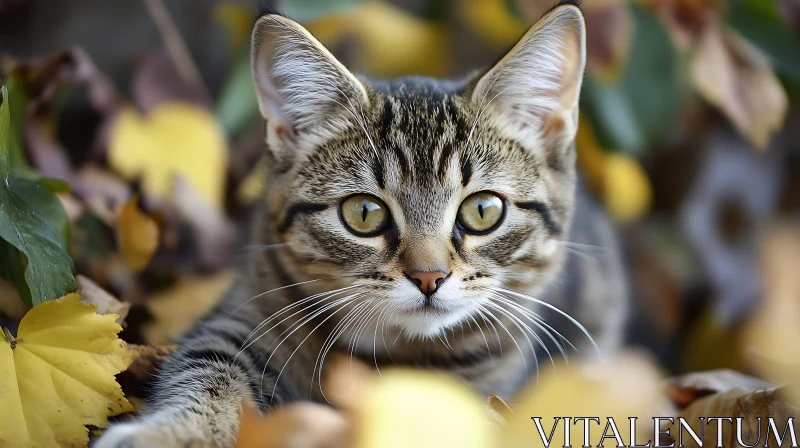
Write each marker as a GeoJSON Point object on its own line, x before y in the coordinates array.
{"type": "Point", "coordinates": [427, 282]}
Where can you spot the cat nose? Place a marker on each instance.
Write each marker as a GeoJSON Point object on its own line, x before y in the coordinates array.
{"type": "Point", "coordinates": [427, 282]}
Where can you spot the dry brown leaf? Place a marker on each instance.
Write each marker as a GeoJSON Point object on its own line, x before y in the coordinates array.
{"type": "Point", "coordinates": [733, 76]}
{"type": "Point", "coordinates": [137, 235]}
{"type": "Point", "coordinates": [499, 410]}
{"type": "Point", "coordinates": [148, 358]}
{"type": "Point", "coordinates": [735, 403]}
{"type": "Point", "coordinates": [44, 78]}
{"type": "Point", "coordinates": [177, 308]}
{"type": "Point", "coordinates": [106, 303]}
{"type": "Point", "coordinates": [719, 381]}
{"type": "Point", "coordinates": [609, 32]}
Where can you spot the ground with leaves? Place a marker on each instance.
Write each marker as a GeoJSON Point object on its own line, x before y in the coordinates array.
{"type": "Point", "coordinates": [130, 167]}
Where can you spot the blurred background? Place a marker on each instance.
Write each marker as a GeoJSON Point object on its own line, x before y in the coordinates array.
{"type": "Point", "coordinates": [690, 135]}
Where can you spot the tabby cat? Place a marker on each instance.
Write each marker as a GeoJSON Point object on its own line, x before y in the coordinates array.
{"type": "Point", "coordinates": [436, 224]}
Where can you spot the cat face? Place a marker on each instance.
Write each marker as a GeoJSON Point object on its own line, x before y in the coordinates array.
{"type": "Point", "coordinates": [426, 195]}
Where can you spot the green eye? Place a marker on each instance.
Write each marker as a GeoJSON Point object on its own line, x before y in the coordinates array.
{"type": "Point", "coordinates": [364, 215]}
{"type": "Point", "coordinates": [480, 212]}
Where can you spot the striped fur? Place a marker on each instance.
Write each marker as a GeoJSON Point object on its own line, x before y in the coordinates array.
{"type": "Point", "coordinates": [421, 146]}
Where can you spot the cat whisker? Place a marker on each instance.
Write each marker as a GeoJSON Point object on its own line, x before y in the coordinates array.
{"type": "Point", "coordinates": [360, 330]}
{"type": "Point", "coordinates": [349, 319]}
{"type": "Point", "coordinates": [540, 323]}
{"type": "Point", "coordinates": [346, 301]}
{"type": "Point", "coordinates": [503, 326]}
{"type": "Point", "coordinates": [556, 309]}
{"type": "Point", "coordinates": [524, 312]}
{"type": "Point", "coordinates": [494, 329]}
{"type": "Point", "coordinates": [485, 341]}
{"type": "Point", "coordinates": [262, 294]}
{"type": "Point", "coordinates": [522, 327]}
{"type": "Point", "coordinates": [585, 246]}
{"type": "Point", "coordinates": [265, 322]}
{"type": "Point", "coordinates": [381, 316]}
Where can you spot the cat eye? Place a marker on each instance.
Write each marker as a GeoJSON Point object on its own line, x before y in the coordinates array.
{"type": "Point", "coordinates": [364, 215]}
{"type": "Point", "coordinates": [481, 212]}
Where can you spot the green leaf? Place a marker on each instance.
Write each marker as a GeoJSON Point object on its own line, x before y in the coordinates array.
{"type": "Point", "coordinates": [34, 223]}
{"type": "Point", "coordinates": [760, 22]}
{"type": "Point", "coordinates": [237, 106]}
{"type": "Point", "coordinates": [637, 112]}
{"type": "Point", "coordinates": [313, 9]}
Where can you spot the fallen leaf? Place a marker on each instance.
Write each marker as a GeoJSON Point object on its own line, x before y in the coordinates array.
{"type": "Point", "coordinates": [617, 178]}
{"type": "Point", "coordinates": [93, 294]}
{"type": "Point", "coordinates": [752, 407]}
{"type": "Point", "coordinates": [722, 380]}
{"type": "Point", "coordinates": [413, 408]}
{"type": "Point", "coordinates": [609, 32]}
{"type": "Point", "coordinates": [418, 46]}
{"type": "Point", "coordinates": [735, 77]}
{"type": "Point", "coordinates": [147, 359]}
{"type": "Point", "coordinates": [175, 138]}
{"type": "Point", "coordinates": [237, 21]}
{"type": "Point", "coordinates": [771, 338]}
{"type": "Point", "coordinates": [137, 235]}
{"type": "Point", "coordinates": [493, 21]}
{"type": "Point", "coordinates": [307, 425]}
{"type": "Point", "coordinates": [499, 410]}
{"type": "Point", "coordinates": [625, 387]}
{"type": "Point", "coordinates": [34, 223]}
{"type": "Point", "coordinates": [627, 191]}
{"type": "Point", "coordinates": [175, 310]}
{"type": "Point", "coordinates": [57, 375]}
{"type": "Point", "coordinates": [43, 79]}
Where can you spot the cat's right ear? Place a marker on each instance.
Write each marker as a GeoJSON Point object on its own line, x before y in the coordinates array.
{"type": "Point", "coordinates": [304, 93]}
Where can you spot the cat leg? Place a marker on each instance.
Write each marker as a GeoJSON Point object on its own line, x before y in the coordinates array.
{"type": "Point", "coordinates": [199, 392]}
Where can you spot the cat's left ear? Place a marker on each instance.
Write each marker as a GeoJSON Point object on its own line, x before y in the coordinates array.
{"type": "Point", "coordinates": [304, 93]}
{"type": "Point", "coordinates": [533, 92]}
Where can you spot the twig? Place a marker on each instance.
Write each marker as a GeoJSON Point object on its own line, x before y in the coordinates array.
{"type": "Point", "coordinates": [187, 69]}
{"type": "Point", "coordinates": [9, 338]}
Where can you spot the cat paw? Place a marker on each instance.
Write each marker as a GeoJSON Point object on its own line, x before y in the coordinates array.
{"type": "Point", "coordinates": [139, 435]}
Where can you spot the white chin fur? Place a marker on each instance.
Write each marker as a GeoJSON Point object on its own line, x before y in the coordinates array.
{"type": "Point", "coordinates": [421, 324]}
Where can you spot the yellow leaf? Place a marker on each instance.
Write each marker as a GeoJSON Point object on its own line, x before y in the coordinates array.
{"type": "Point", "coordinates": [733, 76]}
{"type": "Point", "coordinates": [411, 408]}
{"type": "Point", "coordinates": [58, 375]}
{"type": "Point", "coordinates": [493, 20]}
{"type": "Point", "coordinates": [625, 387]}
{"type": "Point", "coordinates": [771, 339]}
{"type": "Point", "coordinates": [417, 46]}
{"type": "Point", "coordinates": [627, 190]}
{"type": "Point", "coordinates": [176, 138]}
{"type": "Point", "coordinates": [252, 187]}
{"type": "Point", "coordinates": [237, 20]}
{"type": "Point", "coordinates": [137, 234]}
{"type": "Point", "coordinates": [617, 178]}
